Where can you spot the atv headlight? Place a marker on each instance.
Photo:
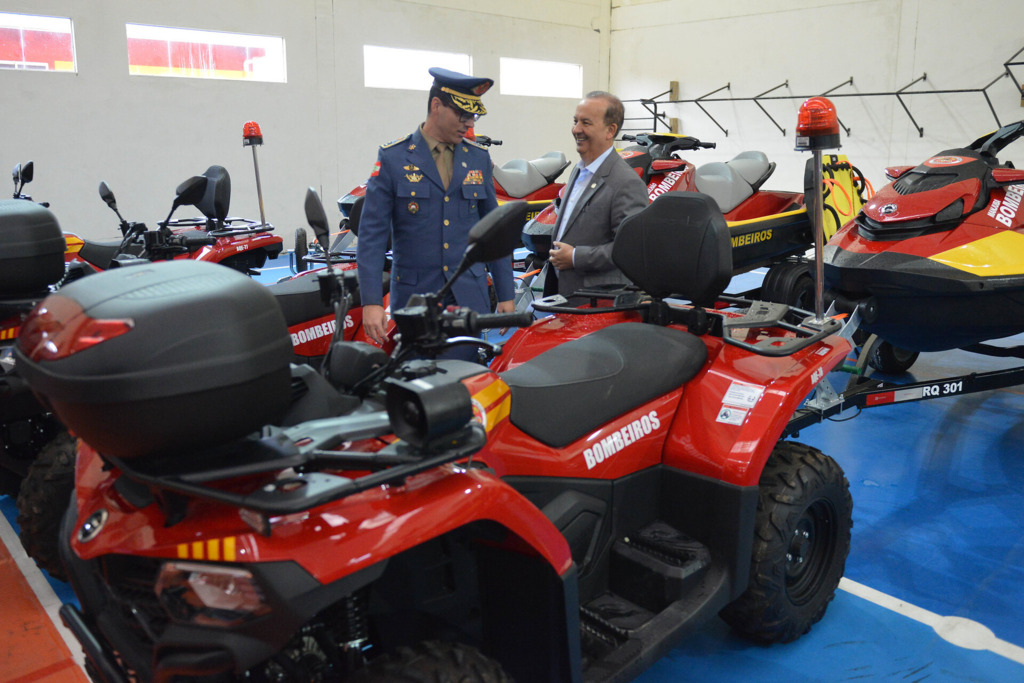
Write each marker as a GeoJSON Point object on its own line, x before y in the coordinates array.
{"type": "Point", "coordinates": [209, 595]}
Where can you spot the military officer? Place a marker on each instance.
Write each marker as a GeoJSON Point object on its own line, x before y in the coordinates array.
{"type": "Point", "coordinates": [426, 191]}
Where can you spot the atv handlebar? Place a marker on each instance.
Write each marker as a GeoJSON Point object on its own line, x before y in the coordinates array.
{"type": "Point", "coordinates": [486, 141]}
{"type": "Point", "coordinates": [197, 240]}
{"type": "Point", "coordinates": [478, 322]}
{"type": "Point", "coordinates": [666, 143]}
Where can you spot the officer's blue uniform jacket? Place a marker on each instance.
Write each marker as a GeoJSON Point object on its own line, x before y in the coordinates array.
{"type": "Point", "coordinates": [405, 196]}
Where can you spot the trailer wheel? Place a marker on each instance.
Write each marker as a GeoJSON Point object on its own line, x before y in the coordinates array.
{"type": "Point", "coordinates": [43, 499]}
{"type": "Point", "coordinates": [789, 283]}
{"type": "Point", "coordinates": [891, 359]}
{"type": "Point", "coordinates": [801, 540]}
{"type": "Point", "coordinates": [301, 249]}
{"type": "Point", "coordinates": [432, 661]}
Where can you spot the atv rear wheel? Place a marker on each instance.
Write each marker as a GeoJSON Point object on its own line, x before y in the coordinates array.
{"type": "Point", "coordinates": [802, 538]}
{"type": "Point", "coordinates": [433, 662]}
{"type": "Point", "coordinates": [44, 497]}
{"type": "Point", "coordinates": [891, 359]}
{"type": "Point", "coordinates": [301, 249]}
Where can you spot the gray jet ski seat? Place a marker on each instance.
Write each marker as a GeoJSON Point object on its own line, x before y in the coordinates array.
{"type": "Point", "coordinates": [730, 182]}
{"type": "Point", "coordinates": [520, 177]}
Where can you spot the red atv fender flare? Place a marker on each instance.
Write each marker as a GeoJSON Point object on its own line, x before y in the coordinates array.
{"type": "Point", "coordinates": [364, 528]}
{"type": "Point", "coordinates": [746, 402]}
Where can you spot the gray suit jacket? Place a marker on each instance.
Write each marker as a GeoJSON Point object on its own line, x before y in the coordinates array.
{"type": "Point", "coordinates": [614, 192]}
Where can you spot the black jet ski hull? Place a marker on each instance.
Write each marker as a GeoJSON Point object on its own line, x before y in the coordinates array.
{"type": "Point", "coordinates": [920, 305]}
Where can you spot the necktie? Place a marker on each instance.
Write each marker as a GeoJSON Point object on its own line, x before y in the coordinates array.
{"type": "Point", "coordinates": [443, 158]}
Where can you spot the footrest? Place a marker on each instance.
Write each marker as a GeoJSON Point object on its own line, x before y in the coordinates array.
{"type": "Point", "coordinates": [657, 566]}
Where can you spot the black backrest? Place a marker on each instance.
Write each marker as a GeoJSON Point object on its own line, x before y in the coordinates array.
{"type": "Point", "coordinates": [355, 214]}
{"type": "Point", "coordinates": [679, 245]}
{"type": "Point", "coordinates": [215, 202]}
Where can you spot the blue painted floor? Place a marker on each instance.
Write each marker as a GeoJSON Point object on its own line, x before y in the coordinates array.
{"type": "Point", "coordinates": [938, 542]}
{"type": "Point", "coordinates": [938, 491]}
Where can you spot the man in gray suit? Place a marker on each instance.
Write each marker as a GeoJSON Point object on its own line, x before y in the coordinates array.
{"type": "Point", "coordinates": [601, 192]}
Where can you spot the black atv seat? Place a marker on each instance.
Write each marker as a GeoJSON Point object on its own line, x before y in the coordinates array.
{"type": "Point", "coordinates": [575, 388]}
{"type": "Point", "coordinates": [99, 254]}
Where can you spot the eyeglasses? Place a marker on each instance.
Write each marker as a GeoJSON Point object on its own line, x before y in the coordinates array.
{"type": "Point", "coordinates": [464, 116]}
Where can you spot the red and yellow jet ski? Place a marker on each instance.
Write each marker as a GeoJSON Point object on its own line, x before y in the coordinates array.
{"type": "Point", "coordinates": [935, 260]}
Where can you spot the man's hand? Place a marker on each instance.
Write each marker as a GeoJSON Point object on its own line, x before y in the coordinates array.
{"type": "Point", "coordinates": [561, 255]}
{"type": "Point", "coordinates": [375, 323]}
{"type": "Point", "coordinates": [505, 307]}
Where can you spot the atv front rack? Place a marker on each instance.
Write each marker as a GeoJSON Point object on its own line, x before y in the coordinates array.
{"type": "Point", "coordinates": [314, 482]}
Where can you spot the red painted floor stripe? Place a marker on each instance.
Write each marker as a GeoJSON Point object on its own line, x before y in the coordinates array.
{"type": "Point", "coordinates": [31, 649]}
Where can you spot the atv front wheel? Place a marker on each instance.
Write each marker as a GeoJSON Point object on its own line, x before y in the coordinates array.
{"type": "Point", "coordinates": [44, 497]}
{"type": "Point", "coordinates": [432, 661]}
{"type": "Point", "coordinates": [801, 540]}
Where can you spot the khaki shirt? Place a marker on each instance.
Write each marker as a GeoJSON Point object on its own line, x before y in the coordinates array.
{"type": "Point", "coordinates": [443, 154]}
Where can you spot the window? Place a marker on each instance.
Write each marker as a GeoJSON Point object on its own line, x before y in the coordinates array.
{"type": "Point", "coordinates": [191, 53]}
{"type": "Point", "coordinates": [36, 43]}
{"type": "Point", "coordinates": [541, 79]}
{"type": "Point", "coordinates": [392, 67]}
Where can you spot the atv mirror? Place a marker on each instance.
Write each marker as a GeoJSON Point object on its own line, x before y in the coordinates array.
{"type": "Point", "coordinates": [317, 219]}
{"type": "Point", "coordinates": [497, 234]}
{"type": "Point", "coordinates": [107, 196]}
{"type": "Point", "coordinates": [27, 171]}
{"type": "Point", "coordinates": [494, 236]}
{"type": "Point", "coordinates": [189, 192]}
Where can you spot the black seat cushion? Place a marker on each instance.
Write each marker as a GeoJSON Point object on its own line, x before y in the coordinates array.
{"type": "Point", "coordinates": [576, 387]}
{"type": "Point", "coordinates": [99, 254]}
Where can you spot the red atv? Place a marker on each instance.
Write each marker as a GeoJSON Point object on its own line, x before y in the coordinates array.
{"type": "Point", "coordinates": [239, 243]}
{"type": "Point", "coordinates": [36, 453]}
{"type": "Point", "coordinates": [569, 519]}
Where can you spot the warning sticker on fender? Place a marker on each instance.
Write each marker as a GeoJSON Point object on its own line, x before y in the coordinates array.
{"type": "Point", "coordinates": [742, 395]}
{"type": "Point", "coordinates": [738, 400]}
{"type": "Point", "coordinates": [731, 415]}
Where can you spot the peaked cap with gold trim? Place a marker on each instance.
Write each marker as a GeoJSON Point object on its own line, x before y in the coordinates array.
{"type": "Point", "coordinates": [463, 91]}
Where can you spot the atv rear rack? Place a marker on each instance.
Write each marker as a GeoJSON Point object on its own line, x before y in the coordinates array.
{"type": "Point", "coordinates": [758, 314]}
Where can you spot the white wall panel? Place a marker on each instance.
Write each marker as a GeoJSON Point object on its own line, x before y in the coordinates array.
{"type": "Point", "coordinates": [883, 44]}
{"type": "Point", "coordinates": [143, 135]}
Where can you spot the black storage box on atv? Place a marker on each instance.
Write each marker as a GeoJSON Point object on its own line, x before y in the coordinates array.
{"type": "Point", "coordinates": [31, 248]}
{"type": "Point", "coordinates": [180, 355]}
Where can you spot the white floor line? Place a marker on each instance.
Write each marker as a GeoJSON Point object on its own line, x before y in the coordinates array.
{"type": "Point", "coordinates": [40, 586]}
{"type": "Point", "coordinates": [962, 632]}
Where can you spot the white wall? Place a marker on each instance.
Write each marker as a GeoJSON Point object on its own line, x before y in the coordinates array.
{"type": "Point", "coordinates": [755, 45]}
{"type": "Point", "coordinates": [144, 135]}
